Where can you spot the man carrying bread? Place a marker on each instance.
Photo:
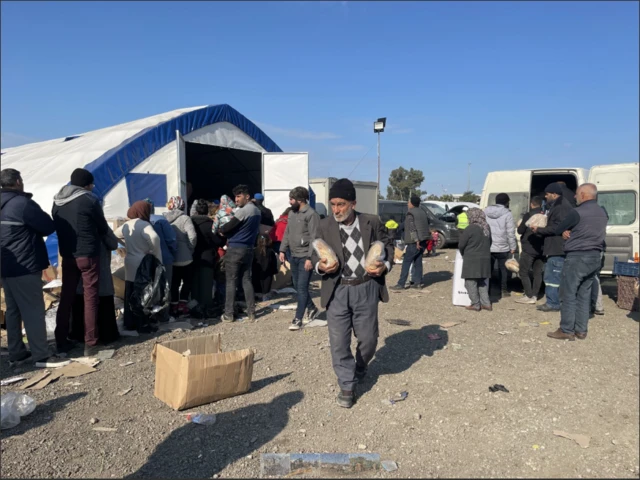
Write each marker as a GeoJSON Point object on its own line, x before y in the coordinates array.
{"type": "Point", "coordinates": [351, 292]}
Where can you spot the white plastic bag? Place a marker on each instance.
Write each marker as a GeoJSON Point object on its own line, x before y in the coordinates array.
{"type": "Point", "coordinates": [376, 254]}
{"type": "Point", "coordinates": [538, 220]}
{"type": "Point", "coordinates": [13, 406]}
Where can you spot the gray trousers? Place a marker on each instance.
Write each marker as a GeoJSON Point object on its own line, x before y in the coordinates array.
{"type": "Point", "coordinates": [25, 302]}
{"type": "Point", "coordinates": [353, 309]}
{"type": "Point", "coordinates": [478, 290]}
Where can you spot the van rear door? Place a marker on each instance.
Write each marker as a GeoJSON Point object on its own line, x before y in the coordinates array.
{"type": "Point", "coordinates": [618, 194]}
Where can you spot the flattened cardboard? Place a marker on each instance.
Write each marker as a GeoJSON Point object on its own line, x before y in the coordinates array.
{"type": "Point", "coordinates": [76, 369]}
{"type": "Point", "coordinates": [205, 375]}
{"type": "Point", "coordinates": [35, 379]}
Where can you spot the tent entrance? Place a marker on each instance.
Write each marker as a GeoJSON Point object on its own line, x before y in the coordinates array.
{"type": "Point", "coordinates": [214, 171]}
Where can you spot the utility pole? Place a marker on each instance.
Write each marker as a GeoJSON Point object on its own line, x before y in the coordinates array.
{"type": "Point", "coordinates": [469, 177]}
{"type": "Point", "coordinates": [378, 166]}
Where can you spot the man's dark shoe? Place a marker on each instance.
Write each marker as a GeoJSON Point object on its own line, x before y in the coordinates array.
{"type": "Point", "coordinates": [416, 286]}
{"type": "Point", "coordinates": [227, 319]}
{"type": "Point", "coordinates": [473, 308]}
{"type": "Point", "coordinates": [581, 335]}
{"type": "Point", "coordinates": [505, 293]}
{"type": "Point", "coordinates": [598, 312]}
{"type": "Point", "coordinates": [345, 399]}
{"type": "Point", "coordinates": [396, 288]}
{"type": "Point", "coordinates": [312, 313]}
{"type": "Point", "coordinates": [20, 359]}
{"type": "Point", "coordinates": [296, 324]}
{"type": "Point", "coordinates": [488, 308]}
{"type": "Point", "coordinates": [560, 335]}
{"type": "Point", "coordinates": [546, 308]}
{"type": "Point", "coordinates": [361, 373]}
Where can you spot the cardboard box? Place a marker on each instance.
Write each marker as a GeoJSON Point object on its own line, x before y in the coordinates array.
{"type": "Point", "coordinates": [194, 371]}
{"type": "Point", "coordinates": [118, 283]}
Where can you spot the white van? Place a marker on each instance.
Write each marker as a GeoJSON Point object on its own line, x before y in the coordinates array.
{"type": "Point", "coordinates": [617, 193]}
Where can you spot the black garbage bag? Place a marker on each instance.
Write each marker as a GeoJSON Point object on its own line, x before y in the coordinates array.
{"type": "Point", "coordinates": [150, 289]}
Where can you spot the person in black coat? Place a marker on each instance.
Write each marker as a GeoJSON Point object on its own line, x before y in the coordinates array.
{"type": "Point", "coordinates": [205, 256]}
{"type": "Point", "coordinates": [475, 248]}
{"type": "Point", "coordinates": [265, 266]}
{"type": "Point", "coordinates": [531, 258]}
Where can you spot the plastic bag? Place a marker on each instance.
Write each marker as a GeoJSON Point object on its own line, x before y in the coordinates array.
{"type": "Point", "coordinates": [376, 254]}
{"type": "Point", "coordinates": [538, 220]}
{"type": "Point", "coordinates": [512, 265]}
{"type": "Point", "coordinates": [150, 288]}
{"type": "Point", "coordinates": [324, 251]}
{"type": "Point", "coordinates": [14, 405]}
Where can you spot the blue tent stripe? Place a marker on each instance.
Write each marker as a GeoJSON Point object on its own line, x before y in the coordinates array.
{"type": "Point", "coordinates": [112, 166]}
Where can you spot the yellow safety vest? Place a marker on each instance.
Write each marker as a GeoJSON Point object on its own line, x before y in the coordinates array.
{"type": "Point", "coordinates": [463, 221]}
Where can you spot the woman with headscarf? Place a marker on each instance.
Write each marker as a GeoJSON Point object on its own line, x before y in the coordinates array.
{"type": "Point", "coordinates": [183, 261]}
{"type": "Point", "coordinates": [475, 248]}
{"type": "Point", "coordinates": [140, 240]}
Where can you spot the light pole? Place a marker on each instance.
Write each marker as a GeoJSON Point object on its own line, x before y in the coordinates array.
{"type": "Point", "coordinates": [378, 127]}
{"type": "Point", "coordinates": [469, 177]}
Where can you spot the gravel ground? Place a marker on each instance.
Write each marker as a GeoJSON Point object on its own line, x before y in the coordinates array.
{"type": "Point", "coordinates": [449, 426]}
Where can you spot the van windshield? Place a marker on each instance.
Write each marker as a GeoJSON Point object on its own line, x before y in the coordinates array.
{"type": "Point", "coordinates": [435, 209]}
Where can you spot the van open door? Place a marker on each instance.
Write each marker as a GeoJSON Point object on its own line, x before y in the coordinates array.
{"type": "Point", "coordinates": [182, 166]}
{"type": "Point", "coordinates": [618, 194]}
{"type": "Point", "coordinates": [282, 172]}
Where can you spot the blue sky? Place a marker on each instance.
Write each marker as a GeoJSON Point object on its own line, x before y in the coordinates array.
{"type": "Point", "coordinates": [502, 85]}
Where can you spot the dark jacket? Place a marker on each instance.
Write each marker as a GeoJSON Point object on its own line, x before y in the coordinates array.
{"type": "Point", "coordinates": [372, 229]}
{"type": "Point", "coordinates": [168, 239]}
{"type": "Point", "coordinates": [531, 243]}
{"type": "Point", "coordinates": [416, 226]}
{"type": "Point", "coordinates": [23, 226]}
{"type": "Point", "coordinates": [475, 248]}
{"type": "Point", "coordinates": [588, 225]}
{"type": "Point", "coordinates": [568, 195]}
{"type": "Point", "coordinates": [554, 244]}
{"type": "Point", "coordinates": [266, 216]}
{"type": "Point", "coordinates": [79, 221]}
{"type": "Point", "coordinates": [206, 251]}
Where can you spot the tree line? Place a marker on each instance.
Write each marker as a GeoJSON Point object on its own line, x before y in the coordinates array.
{"type": "Point", "coordinates": [403, 184]}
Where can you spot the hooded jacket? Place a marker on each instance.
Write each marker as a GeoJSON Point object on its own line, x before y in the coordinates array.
{"type": "Point", "coordinates": [208, 242]}
{"type": "Point", "coordinates": [79, 222]}
{"type": "Point", "coordinates": [503, 229]}
{"type": "Point", "coordinates": [185, 234]}
{"type": "Point", "coordinates": [554, 244]}
{"type": "Point", "coordinates": [531, 243]}
{"type": "Point", "coordinates": [168, 241]}
{"type": "Point", "coordinates": [23, 226]}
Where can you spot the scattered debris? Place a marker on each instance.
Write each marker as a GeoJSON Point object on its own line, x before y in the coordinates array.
{"type": "Point", "coordinates": [277, 306]}
{"type": "Point", "coordinates": [186, 353]}
{"type": "Point", "coordinates": [582, 440]}
{"type": "Point", "coordinates": [449, 324]}
{"type": "Point", "coordinates": [362, 446]}
{"type": "Point", "coordinates": [89, 361]}
{"type": "Point", "coordinates": [10, 381]}
{"type": "Point", "coordinates": [53, 364]}
{"type": "Point", "coordinates": [93, 421]}
{"type": "Point", "coordinates": [456, 346]}
{"type": "Point", "coordinates": [505, 332]}
{"type": "Point", "coordinates": [35, 379]}
{"type": "Point", "coordinates": [73, 384]}
{"type": "Point", "coordinates": [126, 364]}
{"type": "Point", "coordinates": [545, 323]}
{"type": "Point", "coordinates": [105, 354]}
{"type": "Point", "coordinates": [498, 388]}
{"type": "Point", "coordinates": [402, 396]}
{"type": "Point", "coordinates": [417, 416]}
{"type": "Point", "coordinates": [124, 392]}
{"type": "Point", "coordinates": [386, 402]}
{"type": "Point", "coordinates": [395, 321]}
{"type": "Point", "coordinates": [104, 429]}
{"type": "Point", "coordinates": [202, 419]}
{"type": "Point", "coordinates": [536, 447]}
{"type": "Point", "coordinates": [76, 370]}
{"type": "Point", "coordinates": [389, 465]}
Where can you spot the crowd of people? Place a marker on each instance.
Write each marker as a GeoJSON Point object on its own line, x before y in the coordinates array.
{"type": "Point", "coordinates": [227, 249]}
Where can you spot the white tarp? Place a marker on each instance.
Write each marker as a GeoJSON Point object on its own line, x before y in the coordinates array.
{"type": "Point", "coordinates": [281, 172]}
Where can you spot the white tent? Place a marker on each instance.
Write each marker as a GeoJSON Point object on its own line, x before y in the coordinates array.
{"type": "Point", "coordinates": [213, 147]}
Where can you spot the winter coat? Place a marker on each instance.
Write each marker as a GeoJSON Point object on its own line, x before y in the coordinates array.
{"type": "Point", "coordinates": [503, 230]}
{"type": "Point", "coordinates": [105, 280]}
{"type": "Point", "coordinates": [168, 240]}
{"type": "Point", "coordinates": [554, 244]}
{"type": "Point", "coordinates": [300, 232]}
{"type": "Point", "coordinates": [416, 226]}
{"type": "Point", "coordinates": [79, 222]}
{"type": "Point", "coordinates": [185, 234]}
{"type": "Point", "coordinates": [140, 240]}
{"type": "Point", "coordinates": [276, 234]}
{"type": "Point", "coordinates": [531, 243]}
{"type": "Point", "coordinates": [475, 248]}
{"type": "Point", "coordinates": [266, 216]}
{"type": "Point", "coordinates": [23, 226]}
{"type": "Point", "coordinates": [208, 242]}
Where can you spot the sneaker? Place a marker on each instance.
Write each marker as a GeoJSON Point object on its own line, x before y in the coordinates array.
{"type": "Point", "coordinates": [21, 359]}
{"type": "Point", "coordinates": [345, 399]}
{"type": "Point", "coordinates": [311, 315]}
{"type": "Point", "coordinates": [526, 300]}
{"type": "Point", "coordinates": [296, 324]}
{"type": "Point", "coordinates": [598, 312]}
{"type": "Point", "coordinates": [416, 286]}
{"type": "Point", "coordinates": [52, 362]}
{"type": "Point", "coordinates": [251, 317]}
{"type": "Point", "coordinates": [227, 319]}
{"type": "Point", "coordinates": [397, 288]}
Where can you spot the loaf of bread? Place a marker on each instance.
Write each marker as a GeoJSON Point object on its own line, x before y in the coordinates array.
{"type": "Point", "coordinates": [376, 254]}
{"type": "Point", "coordinates": [324, 251]}
{"type": "Point", "coordinates": [512, 265]}
{"type": "Point", "coordinates": [538, 220]}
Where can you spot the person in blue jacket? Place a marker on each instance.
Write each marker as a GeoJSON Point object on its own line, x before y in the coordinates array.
{"type": "Point", "coordinates": [23, 258]}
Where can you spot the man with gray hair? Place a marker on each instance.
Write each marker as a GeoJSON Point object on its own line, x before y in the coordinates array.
{"type": "Point", "coordinates": [586, 225]}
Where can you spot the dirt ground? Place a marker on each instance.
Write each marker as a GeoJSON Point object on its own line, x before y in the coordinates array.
{"type": "Point", "coordinates": [450, 425]}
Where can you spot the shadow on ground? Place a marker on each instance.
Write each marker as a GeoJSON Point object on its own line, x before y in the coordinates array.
{"type": "Point", "coordinates": [400, 351]}
{"type": "Point", "coordinates": [431, 278]}
{"type": "Point", "coordinates": [42, 415]}
{"type": "Point", "coordinates": [199, 451]}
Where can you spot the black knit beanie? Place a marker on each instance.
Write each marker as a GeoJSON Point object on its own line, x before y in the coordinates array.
{"type": "Point", "coordinates": [81, 177]}
{"type": "Point", "coordinates": [553, 188]}
{"type": "Point", "coordinates": [344, 189]}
